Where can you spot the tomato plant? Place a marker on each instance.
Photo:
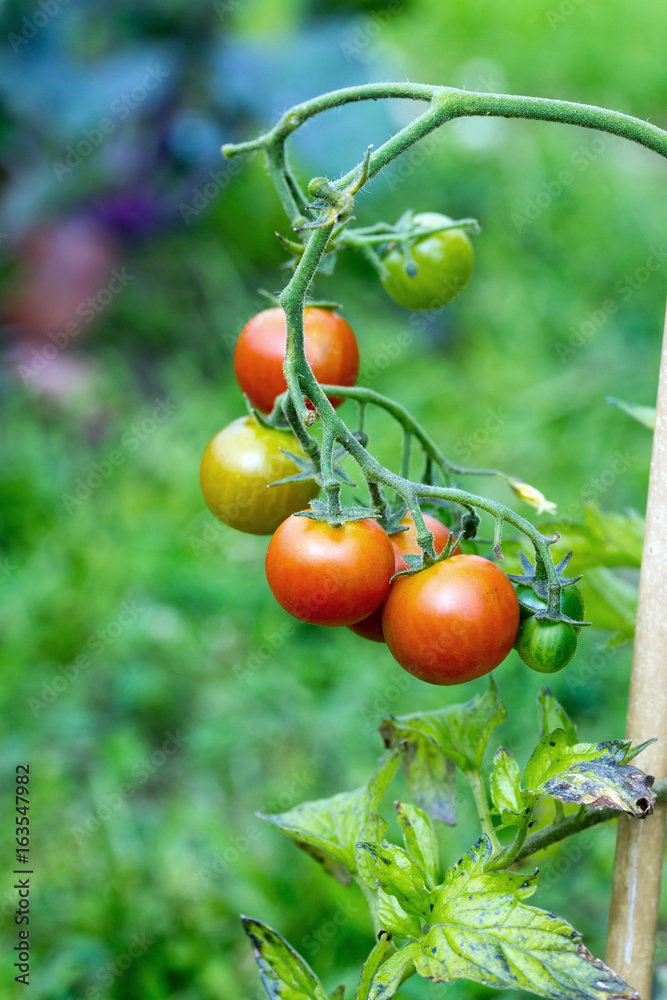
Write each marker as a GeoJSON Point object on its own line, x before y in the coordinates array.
{"type": "Point", "coordinates": [329, 575]}
{"type": "Point", "coordinates": [237, 468]}
{"type": "Point", "coordinates": [429, 271]}
{"type": "Point", "coordinates": [331, 349]}
{"type": "Point", "coordinates": [452, 622]}
{"type": "Point", "coordinates": [446, 620]}
{"type": "Point", "coordinates": [404, 543]}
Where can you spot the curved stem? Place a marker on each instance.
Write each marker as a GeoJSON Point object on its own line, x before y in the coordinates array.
{"type": "Point", "coordinates": [410, 425]}
{"type": "Point", "coordinates": [448, 103]}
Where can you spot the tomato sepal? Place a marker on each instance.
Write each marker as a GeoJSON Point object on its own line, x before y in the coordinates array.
{"type": "Point", "coordinates": [308, 470]}
{"type": "Point", "coordinates": [319, 511]}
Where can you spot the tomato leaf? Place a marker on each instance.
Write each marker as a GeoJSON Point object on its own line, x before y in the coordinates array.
{"type": "Point", "coordinates": [459, 732]}
{"type": "Point", "coordinates": [394, 972]}
{"type": "Point", "coordinates": [506, 788]}
{"type": "Point", "coordinates": [429, 775]}
{"type": "Point", "coordinates": [328, 829]}
{"type": "Point", "coordinates": [593, 774]}
{"type": "Point", "coordinates": [483, 931]}
{"type": "Point", "coordinates": [399, 875]}
{"type": "Point", "coordinates": [420, 840]}
{"type": "Point", "coordinates": [602, 538]}
{"type": "Point", "coordinates": [285, 975]}
{"type": "Point", "coordinates": [551, 715]}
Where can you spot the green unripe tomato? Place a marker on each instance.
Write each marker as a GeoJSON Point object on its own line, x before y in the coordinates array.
{"type": "Point", "coordinates": [444, 263]}
{"type": "Point", "coordinates": [546, 647]}
{"type": "Point", "coordinates": [236, 469]}
{"type": "Point", "coordinates": [571, 604]}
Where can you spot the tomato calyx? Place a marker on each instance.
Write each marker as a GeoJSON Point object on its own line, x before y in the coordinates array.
{"type": "Point", "coordinates": [319, 510]}
{"type": "Point", "coordinates": [309, 470]}
{"type": "Point", "coordinates": [416, 563]}
{"type": "Point", "coordinates": [535, 577]}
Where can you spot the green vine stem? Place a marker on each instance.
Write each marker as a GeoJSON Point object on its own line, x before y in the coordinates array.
{"type": "Point", "coordinates": [412, 427]}
{"type": "Point", "coordinates": [482, 805]}
{"type": "Point", "coordinates": [445, 104]}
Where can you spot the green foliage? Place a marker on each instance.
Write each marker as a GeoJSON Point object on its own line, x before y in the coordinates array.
{"type": "Point", "coordinates": [473, 925]}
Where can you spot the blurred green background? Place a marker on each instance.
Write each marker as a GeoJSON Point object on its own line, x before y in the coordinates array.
{"type": "Point", "coordinates": [156, 689]}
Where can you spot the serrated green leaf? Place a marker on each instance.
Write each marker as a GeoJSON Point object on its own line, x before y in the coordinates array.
{"type": "Point", "coordinates": [399, 875]}
{"type": "Point", "coordinates": [372, 964]}
{"type": "Point", "coordinates": [506, 783]}
{"type": "Point", "coordinates": [484, 932]}
{"type": "Point", "coordinates": [420, 840]}
{"type": "Point", "coordinates": [460, 732]}
{"type": "Point", "coordinates": [328, 829]}
{"type": "Point", "coordinates": [552, 715]}
{"type": "Point", "coordinates": [593, 774]}
{"type": "Point", "coordinates": [394, 972]}
{"type": "Point", "coordinates": [285, 975]}
{"type": "Point", "coordinates": [430, 777]}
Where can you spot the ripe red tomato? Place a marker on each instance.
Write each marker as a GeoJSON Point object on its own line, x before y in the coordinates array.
{"type": "Point", "coordinates": [451, 622]}
{"type": "Point", "coordinates": [331, 349]}
{"type": "Point", "coordinates": [403, 542]}
{"type": "Point", "coordinates": [237, 468]}
{"type": "Point", "coordinates": [326, 575]}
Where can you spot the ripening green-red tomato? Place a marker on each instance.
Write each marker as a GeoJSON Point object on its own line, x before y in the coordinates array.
{"type": "Point", "coordinates": [236, 469]}
{"type": "Point", "coordinates": [329, 575]}
{"type": "Point", "coordinates": [571, 604]}
{"type": "Point", "coordinates": [331, 349]}
{"type": "Point", "coordinates": [403, 542]}
{"type": "Point", "coordinates": [546, 646]}
{"type": "Point", "coordinates": [452, 622]}
{"type": "Point", "coordinates": [444, 263]}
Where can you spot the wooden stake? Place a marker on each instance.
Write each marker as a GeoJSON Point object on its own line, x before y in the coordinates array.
{"type": "Point", "coordinates": [635, 895]}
